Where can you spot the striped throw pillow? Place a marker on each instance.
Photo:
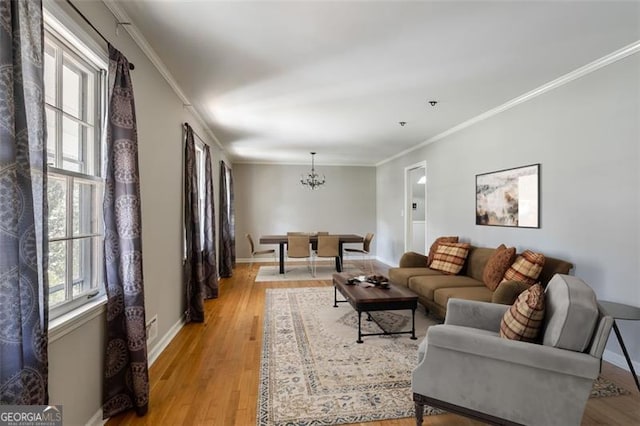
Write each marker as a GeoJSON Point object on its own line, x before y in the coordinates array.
{"type": "Point", "coordinates": [526, 269]}
{"type": "Point", "coordinates": [524, 318]}
{"type": "Point", "coordinates": [449, 258]}
{"type": "Point", "coordinates": [436, 243]}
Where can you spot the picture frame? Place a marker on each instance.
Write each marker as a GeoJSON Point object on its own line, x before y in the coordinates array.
{"type": "Point", "coordinates": [509, 197]}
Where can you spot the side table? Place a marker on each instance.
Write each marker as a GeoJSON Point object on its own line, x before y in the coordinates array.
{"type": "Point", "coordinates": [620, 311]}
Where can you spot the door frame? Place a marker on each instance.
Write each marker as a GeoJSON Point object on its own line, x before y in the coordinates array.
{"type": "Point", "coordinates": [408, 211]}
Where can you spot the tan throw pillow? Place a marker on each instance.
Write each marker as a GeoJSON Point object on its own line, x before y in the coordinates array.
{"type": "Point", "coordinates": [497, 265]}
{"type": "Point", "coordinates": [449, 257]}
{"type": "Point", "coordinates": [435, 245]}
{"type": "Point", "coordinates": [526, 268]}
{"type": "Point", "coordinates": [524, 318]}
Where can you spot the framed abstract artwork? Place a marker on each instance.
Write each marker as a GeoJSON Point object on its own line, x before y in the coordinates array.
{"type": "Point", "coordinates": [509, 197]}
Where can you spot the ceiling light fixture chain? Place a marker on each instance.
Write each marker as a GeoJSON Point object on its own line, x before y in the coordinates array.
{"type": "Point", "coordinates": [312, 180]}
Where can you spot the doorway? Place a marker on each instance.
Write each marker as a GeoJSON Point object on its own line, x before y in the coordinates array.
{"type": "Point", "coordinates": [415, 206]}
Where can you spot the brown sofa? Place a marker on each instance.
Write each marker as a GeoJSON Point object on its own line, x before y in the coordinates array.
{"type": "Point", "coordinates": [434, 288]}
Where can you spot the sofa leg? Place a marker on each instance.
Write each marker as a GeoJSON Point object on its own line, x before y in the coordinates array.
{"type": "Point", "coordinates": [419, 413]}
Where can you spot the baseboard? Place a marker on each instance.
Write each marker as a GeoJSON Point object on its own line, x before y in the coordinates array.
{"type": "Point", "coordinates": [619, 360]}
{"type": "Point", "coordinates": [96, 420]}
{"type": "Point", "coordinates": [157, 349]}
{"type": "Point", "coordinates": [152, 356]}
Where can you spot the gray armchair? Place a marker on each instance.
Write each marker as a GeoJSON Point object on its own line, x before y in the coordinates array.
{"type": "Point", "coordinates": [465, 367]}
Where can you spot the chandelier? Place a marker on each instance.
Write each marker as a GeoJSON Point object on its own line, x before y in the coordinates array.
{"type": "Point", "coordinates": [312, 180]}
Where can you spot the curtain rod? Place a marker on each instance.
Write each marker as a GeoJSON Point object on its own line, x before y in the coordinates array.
{"type": "Point", "coordinates": [185, 125]}
{"type": "Point", "coordinates": [131, 66]}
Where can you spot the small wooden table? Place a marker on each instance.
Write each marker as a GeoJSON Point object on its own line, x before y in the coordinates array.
{"type": "Point", "coordinates": [620, 311]}
{"type": "Point", "coordinates": [370, 299]}
{"type": "Point", "coordinates": [281, 240]}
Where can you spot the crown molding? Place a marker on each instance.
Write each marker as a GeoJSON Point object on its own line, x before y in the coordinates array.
{"type": "Point", "coordinates": [292, 163]}
{"type": "Point", "coordinates": [146, 48]}
{"type": "Point", "coordinates": [615, 56]}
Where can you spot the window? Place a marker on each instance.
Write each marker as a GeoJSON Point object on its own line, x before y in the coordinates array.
{"type": "Point", "coordinates": [201, 188]}
{"type": "Point", "coordinates": [74, 104]}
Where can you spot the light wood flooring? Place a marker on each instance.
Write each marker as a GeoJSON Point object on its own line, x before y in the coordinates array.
{"type": "Point", "coordinates": [208, 375]}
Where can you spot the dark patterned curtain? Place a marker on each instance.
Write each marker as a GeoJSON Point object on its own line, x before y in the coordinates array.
{"type": "Point", "coordinates": [209, 249]}
{"type": "Point", "coordinates": [227, 223]}
{"type": "Point", "coordinates": [23, 207]}
{"type": "Point", "coordinates": [126, 376]}
{"type": "Point", "coordinates": [193, 265]}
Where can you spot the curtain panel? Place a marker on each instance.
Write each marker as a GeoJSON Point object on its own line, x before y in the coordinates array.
{"type": "Point", "coordinates": [23, 207]}
{"type": "Point", "coordinates": [193, 265]}
{"type": "Point", "coordinates": [126, 375]}
{"type": "Point", "coordinates": [210, 274]}
{"type": "Point", "coordinates": [227, 223]}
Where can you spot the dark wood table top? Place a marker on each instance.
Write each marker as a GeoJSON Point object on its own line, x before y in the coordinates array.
{"type": "Point", "coordinates": [359, 294]}
{"type": "Point", "coordinates": [277, 239]}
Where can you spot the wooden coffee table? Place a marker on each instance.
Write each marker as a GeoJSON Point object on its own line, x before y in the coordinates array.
{"type": "Point", "coordinates": [370, 299]}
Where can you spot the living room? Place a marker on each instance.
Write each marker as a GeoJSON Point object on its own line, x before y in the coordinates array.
{"type": "Point", "coordinates": [580, 123]}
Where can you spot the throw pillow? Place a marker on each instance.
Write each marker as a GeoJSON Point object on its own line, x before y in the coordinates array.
{"type": "Point", "coordinates": [436, 243]}
{"type": "Point", "coordinates": [526, 268]}
{"type": "Point", "coordinates": [497, 265]}
{"type": "Point", "coordinates": [450, 257]}
{"type": "Point", "coordinates": [524, 318]}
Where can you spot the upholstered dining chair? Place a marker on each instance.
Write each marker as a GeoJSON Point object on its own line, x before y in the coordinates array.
{"type": "Point", "coordinates": [298, 248]}
{"type": "Point", "coordinates": [255, 252]}
{"type": "Point", "coordinates": [365, 251]}
{"type": "Point", "coordinates": [328, 246]}
{"type": "Point", "coordinates": [467, 368]}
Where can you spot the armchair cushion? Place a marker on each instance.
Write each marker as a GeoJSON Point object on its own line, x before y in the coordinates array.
{"type": "Point", "coordinates": [572, 312]}
{"type": "Point", "coordinates": [524, 319]}
{"type": "Point", "coordinates": [488, 344]}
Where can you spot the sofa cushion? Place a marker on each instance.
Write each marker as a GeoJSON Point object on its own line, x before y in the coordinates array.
{"type": "Point", "coordinates": [572, 312]}
{"type": "Point", "coordinates": [526, 268]}
{"type": "Point", "coordinates": [435, 245]}
{"type": "Point", "coordinates": [426, 285]}
{"type": "Point", "coordinates": [479, 293]}
{"type": "Point", "coordinates": [401, 276]}
{"type": "Point", "coordinates": [450, 257]}
{"type": "Point", "coordinates": [497, 265]}
{"type": "Point", "coordinates": [523, 320]}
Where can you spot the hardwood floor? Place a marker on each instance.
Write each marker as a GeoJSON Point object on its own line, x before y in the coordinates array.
{"type": "Point", "coordinates": [209, 373]}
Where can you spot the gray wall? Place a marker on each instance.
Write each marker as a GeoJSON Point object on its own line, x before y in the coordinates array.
{"type": "Point", "coordinates": [269, 199]}
{"type": "Point", "coordinates": [76, 359]}
{"type": "Point", "coordinates": [586, 136]}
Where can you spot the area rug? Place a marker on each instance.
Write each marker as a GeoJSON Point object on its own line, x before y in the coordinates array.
{"type": "Point", "coordinates": [314, 373]}
{"type": "Point", "coordinates": [300, 272]}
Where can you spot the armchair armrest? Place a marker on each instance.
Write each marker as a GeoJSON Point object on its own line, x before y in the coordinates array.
{"type": "Point", "coordinates": [471, 313]}
{"type": "Point", "coordinates": [508, 291]}
{"type": "Point", "coordinates": [413, 260]}
{"type": "Point", "coordinates": [489, 345]}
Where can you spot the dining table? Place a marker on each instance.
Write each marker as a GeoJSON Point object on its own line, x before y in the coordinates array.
{"type": "Point", "coordinates": [281, 240]}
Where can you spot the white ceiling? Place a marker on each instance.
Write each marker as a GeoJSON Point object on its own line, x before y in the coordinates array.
{"type": "Point", "coordinates": [274, 80]}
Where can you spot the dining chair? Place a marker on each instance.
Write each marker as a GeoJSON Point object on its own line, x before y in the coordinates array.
{"type": "Point", "coordinates": [328, 246]}
{"type": "Point", "coordinates": [255, 252]}
{"type": "Point", "coordinates": [298, 248]}
{"type": "Point", "coordinates": [365, 251]}
{"type": "Point", "coordinates": [297, 233]}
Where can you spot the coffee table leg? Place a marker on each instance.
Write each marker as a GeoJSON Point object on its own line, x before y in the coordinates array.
{"type": "Point", "coordinates": [359, 329]}
{"type": "Point", "coordinates": [335, 296]}
{"type": "Point", "coordinates": [413, 324]}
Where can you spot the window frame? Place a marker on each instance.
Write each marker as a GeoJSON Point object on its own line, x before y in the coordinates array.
{"type": "Point", "coordinates": [75, 54]}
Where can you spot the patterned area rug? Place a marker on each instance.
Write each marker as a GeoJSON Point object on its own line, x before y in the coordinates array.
{"type": "Point", "coordinates": [314, 373]}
